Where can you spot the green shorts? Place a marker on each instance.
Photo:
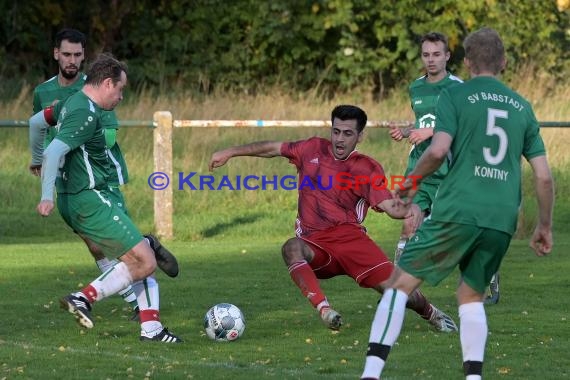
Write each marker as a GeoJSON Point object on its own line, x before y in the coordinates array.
{"type": "Point", "coordinates": [116, 196]}
{"type": "Point", "coordinates": [425, 196]}
{"type": "Point", "coordinates": [438, 247]}
{"type": "Point", "coordinates": [93, 215]}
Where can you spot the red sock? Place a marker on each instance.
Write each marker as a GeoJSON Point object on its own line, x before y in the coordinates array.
{"type": "Point", "coordinates": [90, 293]}
{"type": "Point", "coordinates": [419, 303]}
{"type": "Point", "coordinates": [149, 315]}
{"type": "Point", "coordinates": [302, 275]}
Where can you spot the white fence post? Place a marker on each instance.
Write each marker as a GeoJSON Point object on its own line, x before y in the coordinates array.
{"type": "Point", "coordinates": [162, 153]}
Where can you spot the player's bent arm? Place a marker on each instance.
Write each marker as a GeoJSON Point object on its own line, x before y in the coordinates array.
{"type": "Point", "coordinates": [37, 131]}
{"type": "Point", "coordinates": [265, 149]}
{"type": "Point", "coordinates": [541, 241]}
{"type": "Point", "coordinates": [433, 157]}
{"type": "Point", "coordinates": [53, 155]}
{"type": "Point", "coordinates": [397, 210]}
{"type": "Point", "coordinates": [258, 149]}
{"type": "Point", "coordinates": [544, 187]}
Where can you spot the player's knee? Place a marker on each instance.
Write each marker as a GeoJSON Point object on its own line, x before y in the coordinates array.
{"type": "Point", "coordinates": [145, 268]}
{"type": "Point", "coordinates": [292, 251]}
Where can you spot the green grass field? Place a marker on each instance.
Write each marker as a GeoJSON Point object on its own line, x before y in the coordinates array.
{"type": "Point", "coordinates": [284, 337]}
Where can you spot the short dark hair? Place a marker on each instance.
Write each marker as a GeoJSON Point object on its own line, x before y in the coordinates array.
{"type": "Point", "coordinates": [349, 112]}
{"type": "Point", "coordinates": [71, 35]}
{"type": "Point", "coordinates": [485, 51]}
{"type": "Point", "coordinates": [435, 37]}
{"type": "Point", "coordinates": [103, 67]}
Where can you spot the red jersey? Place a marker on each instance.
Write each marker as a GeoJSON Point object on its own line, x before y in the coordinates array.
{"type": "Point", "coordinates": [333, 192]}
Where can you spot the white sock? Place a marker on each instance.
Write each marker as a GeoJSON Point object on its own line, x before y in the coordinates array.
{"type": "Point", "coordinates": [322, 304]}
{"type": "Point", "coordinates": [129, 296]}
{"type": "Point", "coordinates": [148, 298]}
{"type": "Point", "coordinates": [104, 265]}
{"type": "Point", "coordinates": [386, 314]}
{"type": "Point", "coordinates": [386, 328]}
{"type": "Point", "coordinates": [473, 333]}
{"type": "Point", "coordinates": [112, 281]}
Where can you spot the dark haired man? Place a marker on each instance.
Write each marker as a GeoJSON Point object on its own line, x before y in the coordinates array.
{"type": "Point", "coordinates": [331, 240]}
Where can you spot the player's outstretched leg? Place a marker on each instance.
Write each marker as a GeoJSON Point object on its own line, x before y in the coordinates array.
{"type": "Point", "coordinates": [164, 258]}
{"type": "Point", "coordinates": [493, 297]}
{"type": "Point", "coordinates": [294, 252]}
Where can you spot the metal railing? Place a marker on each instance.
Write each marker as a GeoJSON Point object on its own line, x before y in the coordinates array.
{"type": "Point", "coordinates": [262, 123]}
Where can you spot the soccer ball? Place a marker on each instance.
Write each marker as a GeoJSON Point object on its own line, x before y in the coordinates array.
{"type": "Point", "coordinates": [224, 322]}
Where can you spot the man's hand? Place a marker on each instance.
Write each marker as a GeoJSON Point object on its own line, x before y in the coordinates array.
{"type": "Point", "coordinates": [219, 159]}
{"type": "Point", "coordinates": [45, 207]}
{"type": "Point", "coordinates": [406, 191]}
{"type": "Point", "coordinates": [396, 133]}
{"type": "Point", "coordinates": [419, 135]}
{"type": "Point", "coordinates": [36, 170]}
{"type": "Point", "coordinates": [413, 220]}
{"type": "Point", "coordinates": [541, 241]}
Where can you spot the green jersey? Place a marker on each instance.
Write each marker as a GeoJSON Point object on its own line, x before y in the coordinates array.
{"type": "Point", "coordinates": [51, 91]}
{"type": "Point", "coordinates": [424, 96]}
{"type": "Point", "coordinates": [79, 126]}
{"type": "Point", "coordinates": [48, 92]}
{"type": "Point", "coordinates": [492, 127]}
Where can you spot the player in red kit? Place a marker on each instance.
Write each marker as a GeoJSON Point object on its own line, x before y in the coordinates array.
{"type": "Point", "coordinates": [336, 187]}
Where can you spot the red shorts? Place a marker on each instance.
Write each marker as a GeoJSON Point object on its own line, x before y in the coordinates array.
{"type": "Point", "coordinates": [347, 250]}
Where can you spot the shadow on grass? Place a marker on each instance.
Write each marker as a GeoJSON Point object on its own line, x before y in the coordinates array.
{"type": "Point", "coordinates": [220, 228]}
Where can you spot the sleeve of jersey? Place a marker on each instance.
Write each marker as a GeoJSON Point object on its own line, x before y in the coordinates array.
{"type": "Point", "coordinates": [533, 144]}
{"type": "Point", "coordinates": [294, 151]}
{"type": "Point", "coordinates": [77, 127]}
{"type": "Point", "coordinates": [445, 115]}
{"type": "Point", "coordinates": [37, 105]}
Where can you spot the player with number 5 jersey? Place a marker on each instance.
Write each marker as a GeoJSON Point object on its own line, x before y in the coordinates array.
{"type": "Point", "coordinates": [497, 125]}
{"type": "Point", "coordinates": [486, 128]}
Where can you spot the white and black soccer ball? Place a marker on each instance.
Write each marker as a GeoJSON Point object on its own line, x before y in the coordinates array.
{"type": "Point", "coordinates": [224, 322]}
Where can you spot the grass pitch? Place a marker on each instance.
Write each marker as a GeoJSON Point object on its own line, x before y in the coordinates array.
{"type": "Point", "coordinates": [284, 338]}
